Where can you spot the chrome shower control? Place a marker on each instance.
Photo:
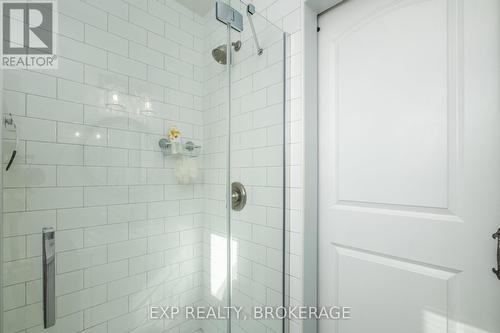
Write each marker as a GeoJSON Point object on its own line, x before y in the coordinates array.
{"type": "Point", "coordinates": [238, 196]}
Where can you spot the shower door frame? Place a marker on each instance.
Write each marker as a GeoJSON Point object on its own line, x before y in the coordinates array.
{"type": "Point", "coordinates": [285, 162]}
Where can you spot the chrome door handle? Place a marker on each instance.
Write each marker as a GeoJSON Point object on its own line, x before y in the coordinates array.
{"type": "Point", "coordinates": [496, 271]}
{"type": "Point", "coordinates": [49, 277]}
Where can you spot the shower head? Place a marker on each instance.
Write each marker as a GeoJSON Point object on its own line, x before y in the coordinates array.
{"type": "Point", "coordinates": [220, 53]}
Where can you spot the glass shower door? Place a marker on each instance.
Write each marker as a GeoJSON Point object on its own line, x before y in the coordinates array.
{"type": "Point", "coordinates": [258, 163]}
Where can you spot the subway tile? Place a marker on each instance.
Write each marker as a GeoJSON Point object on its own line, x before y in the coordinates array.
{"type": "Point", "coordinates": [164, 45]}
{"type": "Point", "coordinates": [105, 195]}
{"type": "Point", "coordinates": [163, 209]}
{"type": "Point", "coordinates": [14, 200]}
{"type": "Point", "coordinates": [146, 193]}
{"type": "Point", "coordinates": [66, 240]}
{"type": "Point", "coordinates": [128, 249]}
{"type": "Point", "coordinates": [179, 254]}
{"type": "Point", "coordinates": [105, 234]}
{"type": "Point", "coordinates": [181, 36]}
{"type": "Point", "coordinates": [29, 82]}
{"type": "Point", "coordinates": [127, 213]}
{"type": "Point", "coordinates": [146, 263]}
{"type": "Point", "coordinates": [81, 217]}
{"type": "Point", "coordinates": [81, 176]}
{"type": "Point", "coordinates": [105, 40]}
{"type": "Point", "coordinates": [192, 236]}
{"type": "Point", "coordinates": [70, 27]}
{"type": "Point", "coordinates": [178, 66]}
{"type": "Point", "coordinates": [97, 275]}
{"type": "Point", "coordinates": [83, 12]}
{"type": "Point", "coordinates": [115, 7]}
{"type": "Point", "coordinates": [22, 318]}
{"type": "Point", "coordinates": [22, 271]}
{"type": "Point", "coordinates": [66, 69]}
{"type": "Point", "coordinates": [163, 12]}
{"type": "Point", "coordinates": [145, 123]}
{"type": "Point", "coordinates": [190, 266]}
{"type": "Point", "coordinates": [163, 242]}
{"type": "Point", "coordinates": [36, 129]}
{"type": "Point", "coordinates": [163, 78]}
{"type": "Point", "coordinates": [53, 153]}
{"type": "Point", "coordinates": [14, 248]}
{"type": "Point", "coordinates": [81, 134]}
{"type": "Point", "coordinates": [102, 78]}
{"type": "Point", "coordinates": [145, 159]}
{"type": "Point", "coordinates": [125, 139]}
{"type": "Point", "coordinates": [80, 300]}
{"type": "Point", "coordinates": [121, 27]}
{"type": "Point", "coordinates": [105, 156]}
{"type": "Point", "coordinates": [127, 66]}
{"type": "Point", "coordinates": [69, 324]}
{"type": "Point", "coordinates": [34, 291]}
{"type": "Point", "coordinates": [80, 93]}
{"type": "Point", "coordinates": [30, 176]}
{"type": "Point", "coordinates": [127, 286]}
{"type": "Point", "coordinates": [106, 311]}
{"type": "Point", "coordinates": [162, 275]}
{"type": "Point", "coordinates": [14, 102]}
{"type": "Point", "coordinates": [143, 54]}
{"type": "Point", "coordinates": [145, 228]}
{"type": "Point", "coordinates": [81, 52]}
{"type": "Point", "coordinates": [25, 223]}
{"type": "Point", "coordinates": [178, 192]}
{"type": "Point", "coordinates": [178, 223]}
{"type": "Point", "coordinates": [14, 296]}
{"type": "Point", "coordinates": [78, 259]}
{"type": "Point", "coordinates": [126, 176]}
{"type": "Point", "coordinates": [192, 206]}
{"type": "Point", "coordinates": [179, 98]}
{"type": "Point", "coordinates": [50, 198]}
{"type": "Point", "coordinates": [148, 21]}
{"type": "Point", "coordinates": [146, 89]}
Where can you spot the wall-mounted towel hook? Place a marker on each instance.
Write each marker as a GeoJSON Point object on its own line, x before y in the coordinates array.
{"type": "Point", "coordinates": [9, 123]}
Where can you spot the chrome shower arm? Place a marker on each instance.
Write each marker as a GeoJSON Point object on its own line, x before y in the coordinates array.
{"type": "Point", "coordinates": [250, 12]}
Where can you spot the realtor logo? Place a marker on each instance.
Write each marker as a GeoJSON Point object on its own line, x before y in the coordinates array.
{"type": "Point", "coordinates": [28, 30]}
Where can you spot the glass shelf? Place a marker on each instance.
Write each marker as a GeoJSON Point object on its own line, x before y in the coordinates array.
{"type": "Point", "coordinates": [179, 148]}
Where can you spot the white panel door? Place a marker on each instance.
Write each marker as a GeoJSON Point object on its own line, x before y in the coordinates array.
{"type": "Point", "coordinates": [409, 165]}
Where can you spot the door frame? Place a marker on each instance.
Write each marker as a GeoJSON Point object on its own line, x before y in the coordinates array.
{"type": "Point", "coordinates": [311, 10]}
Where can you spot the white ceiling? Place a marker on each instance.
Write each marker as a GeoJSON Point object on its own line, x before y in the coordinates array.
{"type": "Point", "coordinates": [200, 7]}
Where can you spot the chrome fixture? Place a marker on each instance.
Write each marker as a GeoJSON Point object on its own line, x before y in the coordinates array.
{"type": "Point", "coordinates": [228, 15]}
{"type": "Point", "coordinates": [49, 277]}
{"type": "Point", "coordinates": [9, 123]}
{"type": "Point", "coordinates": [238, 196]}
{"type": "Point", "coordinates": [179, 148]}
{"type": "Point", "coordinates": [250, 12]}
{"type": "Point", "coordinates": [220, 52]}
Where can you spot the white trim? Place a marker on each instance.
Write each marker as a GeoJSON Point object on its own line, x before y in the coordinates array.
{"type": "Point", "coordinates": [310, 158]}
{"type": "Point", "coordinates": [311, 10]}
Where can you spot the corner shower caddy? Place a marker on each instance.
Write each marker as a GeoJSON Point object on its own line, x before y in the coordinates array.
{"type": "Point", "coordinates": [180, 148]}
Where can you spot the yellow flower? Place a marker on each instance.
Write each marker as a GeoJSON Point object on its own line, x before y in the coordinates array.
{"type": "Point", "coordinates": [174, 133]}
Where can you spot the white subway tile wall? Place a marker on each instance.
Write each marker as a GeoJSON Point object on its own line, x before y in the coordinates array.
{"type": "Point", "coordinates": [127, 235]}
